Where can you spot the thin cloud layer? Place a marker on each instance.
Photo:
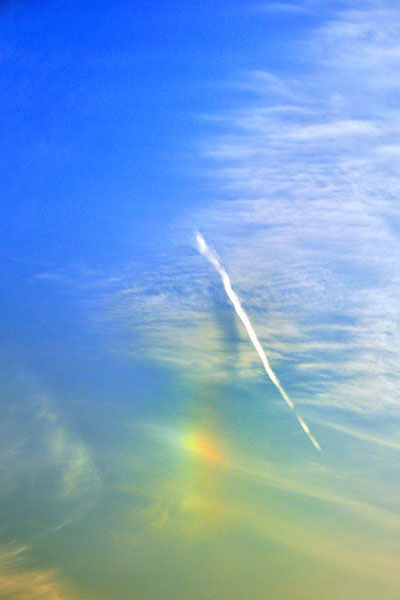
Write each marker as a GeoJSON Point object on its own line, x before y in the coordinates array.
{"type": "Point", "coordinates": [311, 233]}
{"type": "Point", "coordinates": [47, 470]}
{"type": "Point", "coordinates": [17, 582]}
{"type": "Point", "coordinates": [308, 226]}
{"type": "Point", "coordinates": [31, 585]}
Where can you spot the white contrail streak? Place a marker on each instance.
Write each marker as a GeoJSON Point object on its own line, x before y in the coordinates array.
{"type": "Point", "coordinates": [212, 258]}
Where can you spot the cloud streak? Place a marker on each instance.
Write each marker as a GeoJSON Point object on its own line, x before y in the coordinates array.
{"type": "Point", "coordinates": [20, 583]}
{"type": "Point", "coordinates": [212, 258]}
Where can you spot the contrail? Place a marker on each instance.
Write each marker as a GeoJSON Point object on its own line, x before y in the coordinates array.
{"type": "Point", "coordinates": [212, 258]}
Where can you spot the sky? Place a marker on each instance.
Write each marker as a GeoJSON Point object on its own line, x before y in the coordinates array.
{"type": "Point", "coordinates": [147, 449]}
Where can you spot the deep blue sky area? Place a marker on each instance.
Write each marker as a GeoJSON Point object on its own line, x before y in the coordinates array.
{"type": "Point", "coordinates": [101, 107]}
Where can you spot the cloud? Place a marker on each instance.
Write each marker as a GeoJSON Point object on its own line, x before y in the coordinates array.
{"type": "Point", "coordinates": [313, 481]}
{"type": "Point", "coordinates": [306, 218]}
{"type": "Point", "coordinates": [20, 583]}
{"type": "Point", "coordinates": [311, 236]}
{"type": "Point", "coordinates": [213, 259]}
{"type": "Point", "coordinates": [282, 7]}
{"type": "Point", "coordinates": [390, 442]}
{"type": "Point", "coordinates": [30, 585]}
{"type": "Point", "coordinates": [303, 509]}
{"type": "Point", "coordinates": [47, 470]}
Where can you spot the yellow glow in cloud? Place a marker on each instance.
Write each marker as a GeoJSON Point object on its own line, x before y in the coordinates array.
{"type": "Point", "coordinates": [19, 583]}
{"type": "Point", "coordinates": [204, 446]}
{"type": "Point", "coordinates": [31, 585]}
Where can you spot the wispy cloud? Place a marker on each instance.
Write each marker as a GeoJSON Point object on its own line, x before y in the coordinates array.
{"type": "Point", "coordinates": [46, 467]}
{"type": "Point", "coordinates": [305, 214]}
{"type": "Point", "coordinates": [307, 221]}
{"type": "Point", "coordinates": [21, 583]}
{"type": "Point", "coordinates": [298, 8]}
{"type": "Point", "coordinates": [389, 442]}
{"type": "Point", "coordinates": [316, 206]}
{"type": "Point", "coordinates": [257, 496]}
{"type": "Point", "coordinates": [313, 481]}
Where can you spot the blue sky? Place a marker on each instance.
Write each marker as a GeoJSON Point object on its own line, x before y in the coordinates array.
{"type": "Point", "coordinates": [145, 453]}
{"type": "Point", "coordinates": [97, 98]}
